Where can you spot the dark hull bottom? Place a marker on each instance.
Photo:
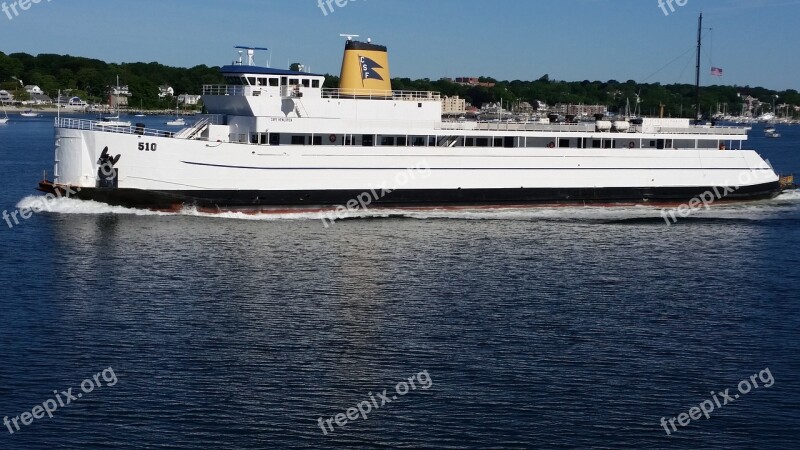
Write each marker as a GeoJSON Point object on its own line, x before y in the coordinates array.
{"type": "Point", "coordinates": [316, 200]}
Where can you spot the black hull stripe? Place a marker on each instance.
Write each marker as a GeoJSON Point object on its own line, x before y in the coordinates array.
{"type": "Point", "coordinates": [463, 168]}
{"type": "Point", "coordinates": [135, 198]}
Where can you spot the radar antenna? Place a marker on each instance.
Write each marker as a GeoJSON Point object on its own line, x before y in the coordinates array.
{"type": "Point", "coordinates": [251, 51]}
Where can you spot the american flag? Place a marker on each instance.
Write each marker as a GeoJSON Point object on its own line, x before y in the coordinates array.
{"type": "Point", "coordinates": [716, 72]}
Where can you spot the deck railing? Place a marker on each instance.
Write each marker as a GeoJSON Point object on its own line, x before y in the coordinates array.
{"type": "Point", "coordinates": [416, 96]}
{"type": "Point", "coordinates": [251, 91]}
{"type": "Point", "coordinates": [93, 125]}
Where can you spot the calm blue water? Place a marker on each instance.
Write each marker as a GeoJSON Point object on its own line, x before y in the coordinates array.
{"type": "Point", "coordinates": [567, 328]}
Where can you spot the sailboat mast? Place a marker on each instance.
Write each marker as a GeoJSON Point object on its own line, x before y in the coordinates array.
{"type": "Point", "coordinates": [697, 74]}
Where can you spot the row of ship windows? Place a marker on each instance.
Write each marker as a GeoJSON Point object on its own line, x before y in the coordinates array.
{"type": "Point", "coordinates": [371, 140]}
{"type": "Point", "coordinates": [272, 82]}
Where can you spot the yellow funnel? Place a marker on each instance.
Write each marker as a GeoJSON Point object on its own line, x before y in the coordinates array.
{"type": "Point", "coordinates": [365, 71]}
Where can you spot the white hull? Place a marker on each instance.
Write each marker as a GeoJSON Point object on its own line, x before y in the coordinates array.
{"type": "Point", "coordinates": [192, 165]}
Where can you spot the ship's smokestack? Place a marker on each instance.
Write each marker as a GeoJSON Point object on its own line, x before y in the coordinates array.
{"type": "Point", "coordinates": [365, 70]}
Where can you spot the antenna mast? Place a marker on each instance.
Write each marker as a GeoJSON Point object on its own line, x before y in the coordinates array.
{"type": "Point", "coordinates": [697, 75]}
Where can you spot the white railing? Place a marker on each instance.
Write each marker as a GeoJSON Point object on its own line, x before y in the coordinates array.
{"type": "Point", "coordinates": [415, 96]}
{"type": "Point", "coordinates": [93, 125]}
{"type": "Point", "coordinates": [702, 130]}
{"type": "Point", "coordinates": [250, 91]}
{"type": "Point", "coordinates": [224, 89]}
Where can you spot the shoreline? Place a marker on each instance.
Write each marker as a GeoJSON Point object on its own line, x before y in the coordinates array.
{"type": "Point", "coordinates": [53, 110]}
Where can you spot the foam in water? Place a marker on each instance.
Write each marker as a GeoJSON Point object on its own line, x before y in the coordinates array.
{"type": "Point", "coordinates": [756, 210]}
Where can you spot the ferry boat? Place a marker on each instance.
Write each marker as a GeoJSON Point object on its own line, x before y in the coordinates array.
{"type": "Point", "coordinates": [277, 139]}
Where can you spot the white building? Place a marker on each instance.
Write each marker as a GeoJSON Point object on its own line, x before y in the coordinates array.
{"type": "Point", "coordinates": [34, 90]}
{"type": "Point", "coordinates": [189, 100]}
{"type": "Point", "coordinates": [165, 91]}
{"type": "Point", "coordinates": [6, 97]}
{"type": "Point", "coordinates": [453, 106]}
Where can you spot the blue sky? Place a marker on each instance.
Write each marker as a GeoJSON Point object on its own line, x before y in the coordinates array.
{"type": "Point", "coordinates": [756, 42]}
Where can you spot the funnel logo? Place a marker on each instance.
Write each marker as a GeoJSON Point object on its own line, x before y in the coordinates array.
{"type": "Point", "coordinates": [368, 67]}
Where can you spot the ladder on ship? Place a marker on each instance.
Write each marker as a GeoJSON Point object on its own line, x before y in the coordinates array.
{"type": "Point", "coordinates": [193, 131]}
{"type": "Point", "coordinates": [447, 141]}
{"type": "Point", "coordinates": [299, 109]}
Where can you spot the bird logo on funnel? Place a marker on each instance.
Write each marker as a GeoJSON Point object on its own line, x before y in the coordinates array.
{"type": "Point", "coordinates": [368, 67]}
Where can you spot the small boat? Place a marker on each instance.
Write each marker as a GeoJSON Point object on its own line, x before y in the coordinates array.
{"type": "Point", "coordinates": [4, 120]}
{"type": "Point", "coordinates": [112, 121]}
{"type": "Point", "coordinates": [178, 121]}
{"type": "Point", "coordinates": [29, 113]}
{"type": "Point", "coordinates": [771, 132]}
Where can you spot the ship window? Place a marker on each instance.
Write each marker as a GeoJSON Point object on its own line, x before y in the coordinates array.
{"type": "Point", "coordinates": [431, 141]}
{"type": "Point", "coordinates": [275, 139]}
{"type": "Point", "coordinates": [254, 138]}
{"type": "Point", "coordinates": [294, 82]}
{"type": "Point", "coordinates": [402, 141]}
{"type": "Point", "coordinates": [498, 142]}
{"type": "Point", "coordinates": [563, 143]}
{"type": "Point", "coordinates": [306, 83]}
{"type": "Point", "coordinates": [419, 105]}
{"type": "Point", "coordinates": [251, 81]}
{"type": "Point", "coordinates": [652, 143]}
{"type": "Point", "coordinates": [608, 143]}
{"type": "Point", "coordinates": [368, 140]}
{"type": "Point", "coordinates": [273, 82]}
{"type": "Point", "coordinates": [596, 143]}
{"type": "Point", "coordinates": [262, 138]}
{"type": "Point", "coordinates": [317, 140]}
{"type": "Point", "coordinates": [508, 142]}
{"type": "Point", "coordinates": [469, 142]}
{"type": "Point", "coordinates": [233, 81]}
{"type": "Point", "coordinates": [298, 140]}
{"type": "Point", "coordinates": [262, 81]}
{"type": "Point", "coordinates": [283, 81]}
{"type": "Point", "coordinates": [482, 142]}
{"type": "Point", "coordinates": [419, 141]}
{"type": "Point", "coordinates": [387, 141]}
{"type": "Point", "coordinates": [315, 83]}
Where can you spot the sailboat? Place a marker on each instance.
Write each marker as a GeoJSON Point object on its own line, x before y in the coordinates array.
{"type": "Point", "coordinates": [114, 121]}
{"type": "Point", "coordinates": [29, 113]}
{"type": "Point", "coordinates": [178, 122]}
{"type": "Point", "coordinates": [141, 109]}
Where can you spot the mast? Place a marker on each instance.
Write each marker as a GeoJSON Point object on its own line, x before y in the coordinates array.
{"type": "Point", "coordinates": [697, 74]}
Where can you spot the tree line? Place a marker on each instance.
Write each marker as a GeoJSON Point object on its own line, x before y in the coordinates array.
{"type": "Point", "coordinates": [90, 79]}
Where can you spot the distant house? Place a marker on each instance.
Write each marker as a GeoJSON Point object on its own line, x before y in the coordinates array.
{"type": "Point", "coordinates": [189, 100]}
{"type": "Point", "coordinates": [473, 81]}
{"type": "Point", "coordinates": [39, 99]}
{"type": "Point", "coordinates": [66, 101]}
{"type": "Point", "coordinates": [165, 91]}
{"type": "Point", "coordinates": [33, 90]}
{"type": "Point", "coordinates": [118, 96]}
{"type": "Point", "coordinates": [6, 97]}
